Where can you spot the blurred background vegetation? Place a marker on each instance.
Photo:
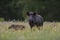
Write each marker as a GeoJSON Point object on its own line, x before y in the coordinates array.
{"type": "Point", "coordinates": [16, 9]}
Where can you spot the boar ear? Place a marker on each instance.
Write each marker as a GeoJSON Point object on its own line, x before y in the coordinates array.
{"type": "Point", "coordinates": [28, 13]}
{"type": "Point", "coordinates": [34, 13]}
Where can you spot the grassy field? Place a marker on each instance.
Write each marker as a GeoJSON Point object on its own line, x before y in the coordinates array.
{"type": "Point", "coordinates": [49, 32]}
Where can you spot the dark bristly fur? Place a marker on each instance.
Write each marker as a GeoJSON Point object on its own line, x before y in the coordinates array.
{"type": "Point", "coordinates": [35, 19]}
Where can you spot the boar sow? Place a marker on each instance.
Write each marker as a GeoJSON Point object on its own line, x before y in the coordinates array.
{"type": "Point", "coordinates": [35, 19]}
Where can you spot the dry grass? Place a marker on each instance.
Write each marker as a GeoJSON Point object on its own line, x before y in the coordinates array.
{"type": "Point", "coordinates": [49, 32]}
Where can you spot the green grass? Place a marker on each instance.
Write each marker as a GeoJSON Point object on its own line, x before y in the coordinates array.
{"type": "Point", "coordinates": [49, 32]}
{"type": "Point", "coordinates": [1, 19]}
